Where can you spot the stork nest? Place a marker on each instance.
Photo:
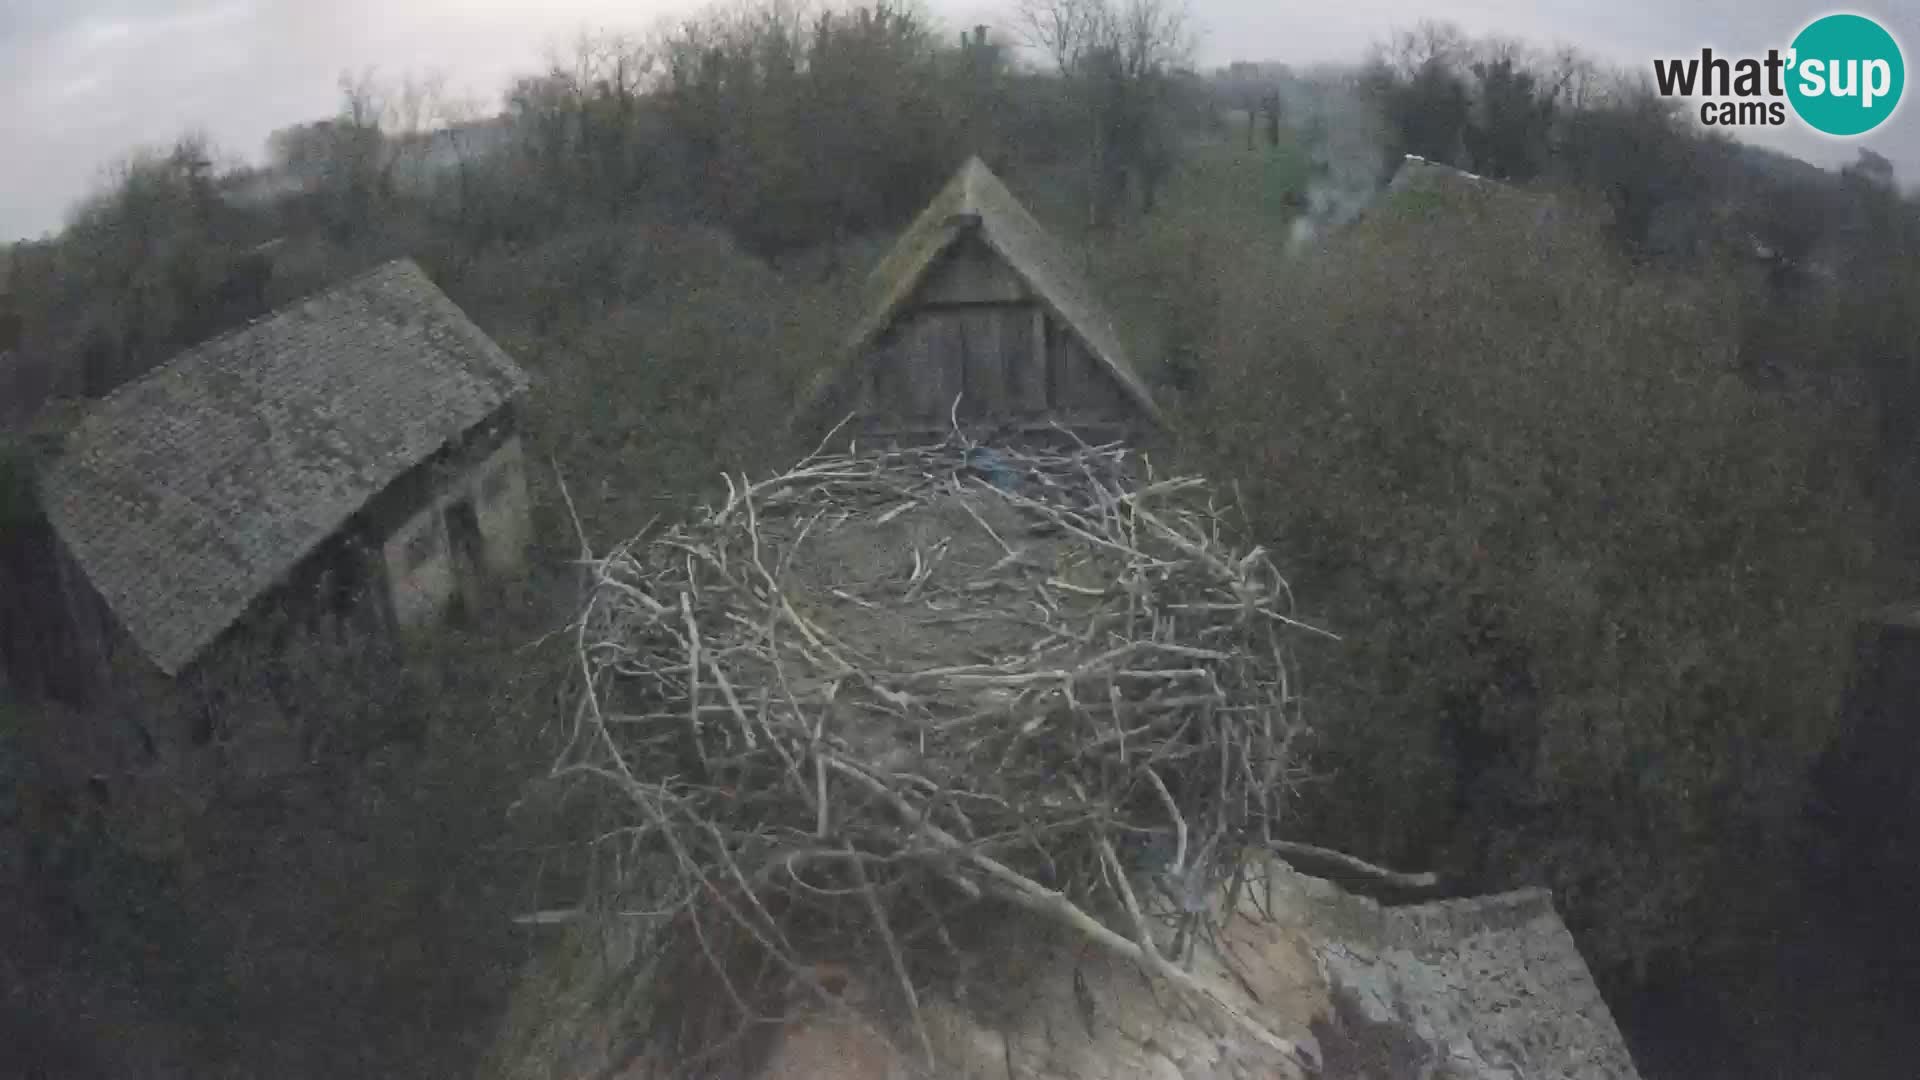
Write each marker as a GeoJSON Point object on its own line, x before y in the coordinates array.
{"type": "Point", "coordinates": [887, 688]}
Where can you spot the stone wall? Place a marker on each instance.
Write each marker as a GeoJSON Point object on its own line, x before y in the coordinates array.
{"type": "Point", "coordinates": [419, 558]}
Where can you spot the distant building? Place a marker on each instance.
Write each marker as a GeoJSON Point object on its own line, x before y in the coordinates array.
{"type": "Point", "coordinates": [1420, 174]}
{"type": "Point", "coordinates": [1421, 186]}
{"type": "Point", "coordinates": [978, 313]}
{"type": "Point", "coordinates": [352, 458]}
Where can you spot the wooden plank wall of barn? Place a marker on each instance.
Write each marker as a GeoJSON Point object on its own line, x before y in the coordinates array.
{"type": "Point", "coordinates": [975, 330]}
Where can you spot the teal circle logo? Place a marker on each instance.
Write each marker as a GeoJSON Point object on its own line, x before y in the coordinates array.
{"type": "Point", "coordinates": [1846, 76]}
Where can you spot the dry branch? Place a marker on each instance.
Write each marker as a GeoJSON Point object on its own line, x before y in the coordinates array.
{"type": "Point", "coordinates": [1326, 862]}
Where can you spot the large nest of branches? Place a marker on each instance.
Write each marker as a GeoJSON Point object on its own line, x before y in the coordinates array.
{"type": "Point", "coordinates": [857, 705]}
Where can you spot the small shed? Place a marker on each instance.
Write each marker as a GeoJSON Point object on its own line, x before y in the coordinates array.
{"type": "Point", "coordinates": [1419, 174]}
{"type": "Point", "coordinates": [1422, 186]}
{"type": "Point", "coordinates": [978, 314]}
{"type": "Point", "coordinates": [352, 455]}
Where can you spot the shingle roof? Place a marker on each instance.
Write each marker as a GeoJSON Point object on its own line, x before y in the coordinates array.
{"type": "Point", "coordinates": [186, 494]}
{"type": "Point", "coordinates": [1485, 987]}
{"type": "Point", "coordinates": [975, 196]}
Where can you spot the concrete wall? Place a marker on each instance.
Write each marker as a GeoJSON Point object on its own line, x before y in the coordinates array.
{"type": "Point", "coordinates": [419, 565]}
{"type": "Point", "coordinates": [500, 497]}
{"type": "Point", "coordinates": [421, 568]}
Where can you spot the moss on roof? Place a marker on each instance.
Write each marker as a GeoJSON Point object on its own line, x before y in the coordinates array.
{"type": "Point", "coordinates": [976, 199]}
{"type": "Point", "coordinates": [189, 492]}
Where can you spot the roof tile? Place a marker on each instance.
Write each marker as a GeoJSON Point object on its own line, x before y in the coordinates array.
{"type": "Point", "coordinates": [186, 494]}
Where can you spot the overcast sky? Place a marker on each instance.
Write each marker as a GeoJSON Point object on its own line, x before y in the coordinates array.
{"type": "Point", "coordinates": [83, 81]}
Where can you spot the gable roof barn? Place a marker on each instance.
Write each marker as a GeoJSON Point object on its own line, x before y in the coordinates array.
{"type": "Point", "coordinates": [188, 493]}
{"type": "Point", "coordinates": [976, 204]}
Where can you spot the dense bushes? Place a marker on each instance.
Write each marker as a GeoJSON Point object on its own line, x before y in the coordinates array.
{"type": "Point", "coordinates": [662, 354]}
{"type": "Point", "coordinates": [1598, 588]}
{"type": "Point", "coordinates": [347, 914]}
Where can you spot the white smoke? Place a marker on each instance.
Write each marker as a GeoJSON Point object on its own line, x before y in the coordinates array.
{"type": "Point", "coordinates": [1345, 139]}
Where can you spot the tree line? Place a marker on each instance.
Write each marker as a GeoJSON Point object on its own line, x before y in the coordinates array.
{"type": "Point", "coordinates": [1824, 256]}
{"type": "Point", "coordinates": [789, 128]}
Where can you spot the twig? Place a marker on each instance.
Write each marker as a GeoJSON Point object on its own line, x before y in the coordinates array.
{"type": "Point", "coordinates": [586, 549]}
{"type": "Point", "coordinates": [1318, 862]}
{"type": "Point", "coordinates": [1041, 900]}
{"type": "Point", "coordinates": [893, 954]}
{"type": "Point", "coordinates": [1179, 868]}
{"type": "Point", "coordinates": [693, 679]}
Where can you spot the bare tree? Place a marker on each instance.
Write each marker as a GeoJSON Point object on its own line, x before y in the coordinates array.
{"type": "Point", "coordinates": [359, 149]}
{"type": "Point", "coordinates": [1499, 50]}
{"type": "Point", "coordinates": [1409, 52]}
{"type": "Point", "coordinates": [1154, 36]}
{"type": "Point", "coordinates": [1067, 31]}
{"type": "Point", "coordinates": [455, 120]}
{"type": "Point", "coordinates": [363, 100]}
{"type": "Point", "coordinates": [413, 107]}
{"type": "Point", "coordinates": [1147, 36]}
{"type": "Point", "coordinates": [1118, 55]}
{"type": "Point", "coordinates": [605, 65]}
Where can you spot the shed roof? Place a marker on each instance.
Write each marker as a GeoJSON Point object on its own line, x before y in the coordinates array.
{"type": "Point", "coordinates": [1486, 988]}
{"type": "Point", "coordinates": [976, 199]}
{"type": "Point", "coordinates": [1418, 173]}
{"type": "Point", "coordinates": [188, 493]}
{"type": "Point", "coordinates": [1421, 187]}
{"type": "Point", "coordinates": [1481, 987]}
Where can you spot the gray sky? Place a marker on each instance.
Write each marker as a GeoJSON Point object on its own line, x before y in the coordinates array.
{"type": "Point", "coordinates": [83, 81]}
